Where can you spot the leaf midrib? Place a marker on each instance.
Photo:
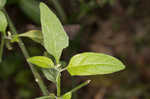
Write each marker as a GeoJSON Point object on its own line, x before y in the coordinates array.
{"type": "Point", "coordinates": [90, 65]}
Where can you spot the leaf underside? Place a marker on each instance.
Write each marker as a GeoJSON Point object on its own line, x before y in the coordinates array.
{"type": "Point", "coordinates": [55, 37]}
{"type": "Point", "coordinates": [41, 61]}
{"type": "Point", "coordinates": [35, 35]}
{"type": "Point", "coordinates": [50, 74]}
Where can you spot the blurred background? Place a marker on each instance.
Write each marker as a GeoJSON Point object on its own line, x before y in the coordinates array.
{"type": "Point", "coordinates": [116, 27]}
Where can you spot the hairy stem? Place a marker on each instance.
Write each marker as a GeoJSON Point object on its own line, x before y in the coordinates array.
{"type": "Point", "coordinates": [80, 86]}
{"type": "Point", "coordinates": [58, 84]}
{"type": "Point", "coordinates": [26, 55]}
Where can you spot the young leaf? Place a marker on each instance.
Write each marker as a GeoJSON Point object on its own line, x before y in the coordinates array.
{"type": "Point", "coordinates": [41, 61]}
{"type": "Point", "coordinates": [93, 64]}
{"type": "Point", "coordinates": [2, 3]}
{"type": "Point", "coordinates": [3, 22]}
{"type": "Point", "coordinates": [50, 74]}
{"type": "Point", "coordinates": [55, 38]}
{"type": "Point", "coordinates": [35, 35]}
{"type": "Point", "coordinates": [14, 38]}
{"type": "Point", "coordinates": [67, 95]}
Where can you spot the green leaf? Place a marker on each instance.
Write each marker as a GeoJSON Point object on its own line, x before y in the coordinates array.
{"type": "Point", "coordinates": [35, 35]}
{"type": "Point", "coordinates": [50, 74]}
{"type": "Point", "coordinates": [67, 95]}
{"type": "Point", "coordinates": [3, 22]}
{"type": "Point", "coordinates": [2, 3]}
{"type": "Point", "coordinates": [55, 38]}
{"type": "Point", "coordinates": [93, 63]}
{"type": "Point", "coordinates": [41, 61]}
{"type": "Point", "coordinates": [15, 38]}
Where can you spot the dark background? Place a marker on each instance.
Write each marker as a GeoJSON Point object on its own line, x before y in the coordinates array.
{"type": "Point", "coordinates": [116, 27]}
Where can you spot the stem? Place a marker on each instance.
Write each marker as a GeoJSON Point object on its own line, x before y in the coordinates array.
{"type": "Point", "coordinates": [80, 86]}
{"type": "Point", "coordinates": [59, 9]}
{"type": "Point", "coordinates": [26, 55]}
{"type": "Point", "coordinates": [2, 46]}
{"type": "Point", "coordinates": [58, 84]}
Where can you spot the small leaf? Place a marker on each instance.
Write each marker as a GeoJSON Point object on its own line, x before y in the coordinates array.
{"type": "Point", "coordinates": [15, 38]}
{"type": "Point", "coordinates": [41, 61]}
{"type": "Point", "coordinates": [35, 35]}
{"type": "Point", "coordinates": [67, 95]}
{"type": "Point", "coordinates": [2, 3]}
{"type": "Point", "coordinates": [50, 74]}
{"type": "Point", "coordinates": [3, 22]}
{"type": "Point", "coordinates": [93, 64]}
{"type": "Point", "coordinates": [54, 35]}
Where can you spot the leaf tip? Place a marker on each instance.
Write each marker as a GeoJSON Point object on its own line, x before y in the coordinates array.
{"type": "Point", "coordinates": [123, 67]}
{"type": "Point", "coordinates": [42, 4]}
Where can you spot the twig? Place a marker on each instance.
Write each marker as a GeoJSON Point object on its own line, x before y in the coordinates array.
{"type": "Point", "coordinates": [80, 86]}
{"type": "Point", "coordinates": [59, 84]}
{"type": "Point", "coordinates": [26, 55]}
